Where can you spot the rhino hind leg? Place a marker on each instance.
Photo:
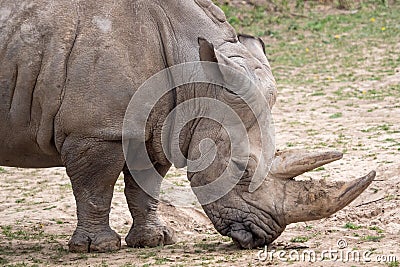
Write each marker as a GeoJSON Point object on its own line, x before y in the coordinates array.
{"type": "Point", "coordinates": [93, 166]}
{"type": "Point", "coordinates": [147, 230]}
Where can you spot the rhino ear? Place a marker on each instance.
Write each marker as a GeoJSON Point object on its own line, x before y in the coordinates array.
{"type": "Point", "coordinates": [252, 42]}
{"type": "Point", "coordinates": [225, 72]}
{"type": "Point", "coordinates": [207, 51]}
{"type": "Point", "coordinates": [208, 54]}
{"type": "Point", "coordinates": [255, 46]}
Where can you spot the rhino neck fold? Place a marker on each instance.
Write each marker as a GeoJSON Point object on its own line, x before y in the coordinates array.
{"type": "Point", "coordinates": [174, 38]}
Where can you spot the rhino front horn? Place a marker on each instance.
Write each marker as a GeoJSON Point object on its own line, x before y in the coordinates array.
{"type": "Point", "coordinates": [313, 200]}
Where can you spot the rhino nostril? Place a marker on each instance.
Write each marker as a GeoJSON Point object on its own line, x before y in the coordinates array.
{"type": "Point", "coordinates": [245, 238]}
{"type": "Point", "coordinates": [242, 238]}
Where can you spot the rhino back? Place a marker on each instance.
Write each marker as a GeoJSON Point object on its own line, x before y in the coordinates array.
{"type": "Point", "coordinates": [71, 67]}
{"type": "Point", "coordinates": [118, 47]}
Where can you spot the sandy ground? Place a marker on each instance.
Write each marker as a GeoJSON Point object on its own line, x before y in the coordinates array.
{"type": "Point", "coordinates": [37, 208]}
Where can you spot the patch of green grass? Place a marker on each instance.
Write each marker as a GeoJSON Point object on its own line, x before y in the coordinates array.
{"type": "Point", "coordinates": [299, 239]}
{"type": "Point", "coordinates": [372, 238]}
{"type": "Point", "coordinates": [336, 115]}
{"type": "Point", "coordinates": [147, 255]}
{"type": "Point", "coordinates": [57, 221]}
{"type": "Point", "coordinates": [306, 45]}
{"type": "Point", "coordinates": [83, 256]}
{"type": "Point", "coordinates": [22, 264]}
{"type": "Point", "coordinates": [208, 246]}
{"type": "Point", "coordinates": [60, 251]}
{"type": "Point", "coordinates": [393, 264]}
{"type": "Point", "coordinates": [50, 208]}
{"type": "Point", "coordinates": [178, 183]}
{"type": "Point", "coordinates": [319, 169]}
{"type": "Point", "coordinates": [172, 175]}
{"type": "Point", "coordinates": [33, 233]}
{"type": "Point", "coordinates": [352, 226]}
{"type": "Point", "coordinates": [160, 261]}
{"type": "Point", "coordinates": [6, 251]}
{"type": "Point", "coordinates": [318, 93]}
{"type": "Point", "coordinates": [289, 144]}
{"type": "Point", "coordinates": [2, 170]}
{"type": "Point", "coordinates": [377, 229]}
{"type": "Point", "coordinates": [3, 261]}
{"type": "Point", "coordinates": [390, 197]}
{"type": "Point", "coordinates": [10, 234]}
{"type": "Point", "coordinates": [379, 128]}
{"type": "Point", "coordinates": [21, 200]}
{"type": "Point", "coordinates": [371, 94]}
{"type": "Point", "coordinates": [67, 186]}
{"type": "Point", "coordinates": [384, 127]}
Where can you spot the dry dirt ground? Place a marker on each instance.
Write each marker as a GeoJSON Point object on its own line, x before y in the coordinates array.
{"type": "Point", "coordinates": [37, 209]}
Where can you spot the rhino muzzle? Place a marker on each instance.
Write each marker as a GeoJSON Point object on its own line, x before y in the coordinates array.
{"type": "Point", "coordinates": [254, 219]}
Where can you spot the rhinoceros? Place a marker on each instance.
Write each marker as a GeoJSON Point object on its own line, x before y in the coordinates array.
{"type": "Point", "coordinates": [68, 70]}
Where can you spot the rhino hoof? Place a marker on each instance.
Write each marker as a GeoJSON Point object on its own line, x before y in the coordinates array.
{"type": "Point", "coordinates": [83, 242]}
{"type": "Point", "coordinates": [150, 236]}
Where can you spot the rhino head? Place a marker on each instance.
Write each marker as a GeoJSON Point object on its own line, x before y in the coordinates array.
{"type": "Point", "coordinates": [257, 207]}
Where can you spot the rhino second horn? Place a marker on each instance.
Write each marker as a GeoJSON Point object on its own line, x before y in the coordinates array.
{"type": "Point", "coordinates": [291, 163]}
{"type": "Point", "coordinates": [314, 200]}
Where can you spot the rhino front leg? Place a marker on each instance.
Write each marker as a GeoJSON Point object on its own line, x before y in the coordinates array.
{"type": "Point", "coordinates": [147, 229]}
{"type": "Point", "coordinates": [93, 166]}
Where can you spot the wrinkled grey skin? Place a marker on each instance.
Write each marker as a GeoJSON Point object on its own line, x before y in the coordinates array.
{"type": "Point", "coordinates": [68, 70]}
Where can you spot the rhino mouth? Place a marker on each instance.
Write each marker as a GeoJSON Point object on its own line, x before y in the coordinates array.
{"type": "Point", "coordinates": [244, 237]}
{"type": "Point", "coordinates": [249, 227]}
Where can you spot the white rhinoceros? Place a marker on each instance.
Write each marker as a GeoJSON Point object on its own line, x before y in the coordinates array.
{"type": "Point", "coordinates": [68, 70]}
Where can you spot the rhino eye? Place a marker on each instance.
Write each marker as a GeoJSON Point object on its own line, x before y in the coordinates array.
{"type": "Point", "coordinates": [248, 173]}
{"type": "Point", "coordinates": [247, 169]}
{"type": "Point", "coordinates": [240, 165]}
